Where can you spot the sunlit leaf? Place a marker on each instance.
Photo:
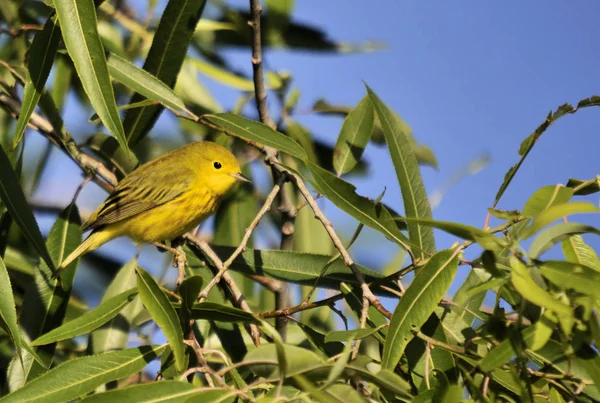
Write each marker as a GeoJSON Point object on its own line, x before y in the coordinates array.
{"type": "Point", "coordinates": [417, 303]}
{"type": "Point", "coordinates": [416, 205]}
{"type": "Point", "coordinates": [354, 136]}
{"type": "Point", "coordinates": [165, 316]}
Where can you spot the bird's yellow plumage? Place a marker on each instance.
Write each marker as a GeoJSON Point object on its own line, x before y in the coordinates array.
{"type": "Point", "coordinates": [164, 198]}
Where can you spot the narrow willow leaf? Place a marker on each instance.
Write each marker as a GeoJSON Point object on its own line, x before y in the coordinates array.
{"type": "Point", "coordinates": [45, 302]}
{"type": "Point", "coordinates": [143, 83]}
{"type": "Point", "coordinates": [542, 331]}
{"type": "Point", "coordinates": [41, 56]}
{"type": "Point", "coordinates": [8, 313]}
{"type": "Point", "coordinates": [165, 58]}
{"type": "Point", "coordinates": [574, 276]}
{"type": "Point", "coordinates": [577, 251]}
{"type": "Point", "coordinates": [115, 334]}
{"type": "Point", "coordinates": [549, 237]}
{"type": "Point", "coordinates": [223, 76]}
{"type": "Point", "coordinates": [556, 212]}
{"type": "Point", "coordinates": [418, 302]}
{"type": "Point", "coordinates": [15, 202]}
{"type": "Point", "coordinates": [88, 321]}
{"type": "Point", "coordinates": [221, 313]}
{"type": "Point", "coordinates": [164, 391]}
{"type": "Point", "coordinates": [165, 316]}
{"type": "Point", "coordinates": [546, 197]}
{"type": "Point", "coordinates": [299, 360]}
{"type": "Point", "coordinates": [416, 205]}
{"type": "Point", "coordinates": [345, 335]}
{"type": "Point", "coordinates": [300, 268]}
{"type": "Point", "coordinates": [189, 290]}
{"type": "Point", "coordinates": [504, 352]}
{"type": "Point", "coordinates": [530, 141]}
{"type": "Point", "coordinates": [366, 211]}
{"type": "Point", "coordinates": [79, 376]}
{"type": "Point", "coordinates": [583, 188]}
{"type": "Point", "coordinates": [531, 291]}
{"type": "Point", "coordinates": [146, 102]}
{"type": "Point", "coordinates": [253, 131]}
{"type": "Point", "coordinates": [485, 239]}
{"type": "Point", "coordinates": [354, 136]}
{"type": "Point", "coordinates": [86, 50]}
{"type": "Point", "coordinates": [62, 81]}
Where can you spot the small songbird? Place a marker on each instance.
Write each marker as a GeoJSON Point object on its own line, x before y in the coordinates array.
{"type": "Point", "coordinates": [163, 199]}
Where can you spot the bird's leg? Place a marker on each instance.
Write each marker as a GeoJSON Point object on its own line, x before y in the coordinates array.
{"type": "Point", "coordinates": [179, 258]}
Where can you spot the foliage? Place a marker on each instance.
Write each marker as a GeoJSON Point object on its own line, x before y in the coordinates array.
{"type": "Point", "coordinates": [234, 330]}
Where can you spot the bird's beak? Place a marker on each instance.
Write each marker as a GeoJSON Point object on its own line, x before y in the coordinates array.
{"type": "Point", "coordinates": [241, 177]}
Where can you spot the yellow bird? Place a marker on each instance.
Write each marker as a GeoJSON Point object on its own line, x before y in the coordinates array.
{"type": "Point", "coordinates": [163, 199]}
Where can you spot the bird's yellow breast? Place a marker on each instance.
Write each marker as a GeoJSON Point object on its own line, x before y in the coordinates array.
{"type": "Point", "coordinates": [170, 220]}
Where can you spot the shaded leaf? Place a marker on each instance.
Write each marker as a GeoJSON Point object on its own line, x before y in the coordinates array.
{"type": "Point", "coordinates": [574, 276]}
{"type": "Point", "coordinates": [582, 188]}
{"type": "Point", "coordinates": [109, 149]}
{"type": "Point", "coordinates": [8, 314]}
{"type": "Point", "coordinates": [165, 58]}
{"type": "Point", "coordinates": [417, 303]}
{"type": "Point", "coordinates": [41, 57]}
{"type": "Point", "coordinates": [345, 335]}
{"type": "Point", "coordinates": [165, 316]}
{"type": "Point", "coordinates": [15, 202]}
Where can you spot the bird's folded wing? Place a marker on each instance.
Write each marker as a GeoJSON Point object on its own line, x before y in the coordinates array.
{"type": "Point", "coordinates": [141, 191]}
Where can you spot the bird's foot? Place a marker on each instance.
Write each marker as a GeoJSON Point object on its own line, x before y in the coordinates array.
{"type": "Point", "coordinates": [179, 258]}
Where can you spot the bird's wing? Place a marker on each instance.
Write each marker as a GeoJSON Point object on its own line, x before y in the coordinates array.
{"type": "Point", "coordinates": [149, 186]}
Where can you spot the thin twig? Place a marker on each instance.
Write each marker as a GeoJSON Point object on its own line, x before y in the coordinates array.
{"type": "Point", "coordinates": [242, 246]}
{"type": "Point", "coordinates": [260, 94]}
{"type": "Point", "coordinates": [302, 307]}
{"type": "Point", "coordinates": [226, 277]}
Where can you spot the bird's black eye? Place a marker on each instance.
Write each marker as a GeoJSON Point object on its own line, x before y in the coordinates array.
{"type": "Point", "coordinates": [217, 165]}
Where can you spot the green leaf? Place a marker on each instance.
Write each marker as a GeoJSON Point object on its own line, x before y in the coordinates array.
{"type": "Point", "coordinates": [40, 58]}
{"type": "Point", "coordinates": [556, 212]}
{"type": "Point", "coordinates": [223, 76]}
{"type": "Point", "coordinates": [15, 202]}
{"type": "Point", "coordinates": [300, 268]}
{"type": "Point", "coordinates": [163, 391]}
{"type": "Point", "coordinates": [418, 302]}
{"type": "Point", "coordinates": [577, 251]}
{"type": "Point", "coordinates": [543, 330]}
{"type": "Point", "coordinates": [366, 211]}
{"type": "Point", "coordinates": [86, 50]}
{"type": "Point", "coordinates": [165, 58]}
{"type": "Point", "coordinates": [80, 376]}
{"type": "Point", "coordinates": [485, 239]}
{"type": "Point", "coordinates": [253, 131]}
{"type": "Point", "coordinates": [545, 198]}
{"type": "Point", "coordinates": [504, 352]}
{"type": "Point", "coordinates": [143, 83]}
{"type": "Point", "coordinates": [549, 237]}
{"type": "Point", "coordinates": [532, 292]}
{"type": "Point", "coordinates": [165, 316]}
{"type": "Point", "coordinates": [416, 205]}
{"type": "Point", "coordinates": [298, 360]}
{"type": "Point", "coordinates": [114, 335]}
{"type": "Point", "coordinates": [8, 313]}
{"type": "Point", "coordinates": [146, 102]}
{"type": "Point", "coordinates": [356, 334]}
{"type": "Point", "coordinates": [574, 276]}
{"type": "Point", "coordinates": [221, 313]}
{"type": "Point", "coordinates": [582, 188]}
{"type": "Point", "coordinates": [88, 321]}
{"type": "Point", "coordinates": [45, 302]}
{"type": "Point", "coordinates": [189, 290]}
{"type": "Point", "coordinates": [530, 141]}
{"type": "Point", "coordinates": [354, 136]}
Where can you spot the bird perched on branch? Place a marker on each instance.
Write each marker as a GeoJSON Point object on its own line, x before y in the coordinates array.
{"type": "Point", "coordinates": [163, 199]}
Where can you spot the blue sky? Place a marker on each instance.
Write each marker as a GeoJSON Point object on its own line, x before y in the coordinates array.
{"type": "Point", "coordinates": [469, 77]}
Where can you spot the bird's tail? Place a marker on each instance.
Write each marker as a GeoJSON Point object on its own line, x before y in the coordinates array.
{"type": "Point", "coordinates": [94, 241]}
